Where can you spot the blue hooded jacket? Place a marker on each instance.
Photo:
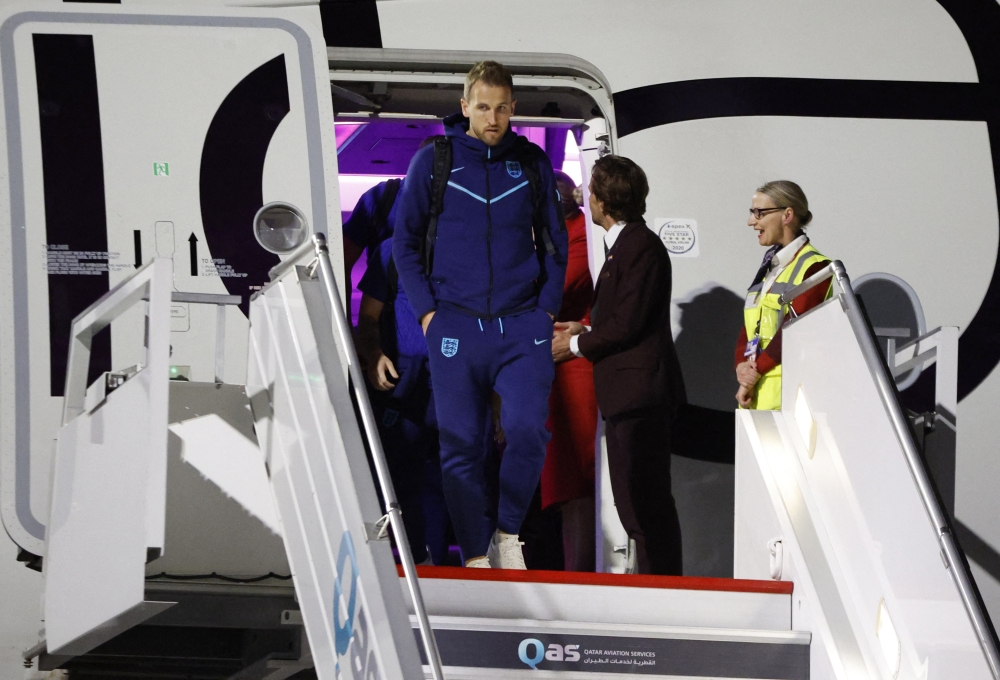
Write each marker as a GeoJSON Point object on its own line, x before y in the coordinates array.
{"type": "Point", "coordinates": [485, 261]}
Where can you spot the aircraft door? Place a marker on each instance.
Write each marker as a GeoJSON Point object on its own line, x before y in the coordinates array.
{"type": "Point", "coordinates": [134, 133]}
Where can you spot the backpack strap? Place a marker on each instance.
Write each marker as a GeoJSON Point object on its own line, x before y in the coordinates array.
{"type": "Point", "coordinates": [530, 157]}
{"type": "Point", "coordinates": [392, 283]}
{"type": "Point", "coordinates": [439, 184]}
{"type": "Point", "coordinates": [387, 321]}
{"type": "Point", "coordinates": [384, 207]}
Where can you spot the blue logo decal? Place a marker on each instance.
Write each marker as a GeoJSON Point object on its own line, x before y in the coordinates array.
{"type": "Point", "coordinates": [343, 633]}
{"type": "Point", "coordinates": [449, 347]}
{"type": "Point", "coordinates": [522, 652]}
{"type": "Point", "coordinates": [514, 169]}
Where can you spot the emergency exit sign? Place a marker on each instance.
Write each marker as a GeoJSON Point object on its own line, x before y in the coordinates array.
{"type": "Point", "coordinates": [161, 169]}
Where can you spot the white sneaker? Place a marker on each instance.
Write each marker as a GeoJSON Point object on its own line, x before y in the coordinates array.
{"type": "Point", "coordinates": [479, 563]}
{"type": "Point", "coordinates": [505, 552]}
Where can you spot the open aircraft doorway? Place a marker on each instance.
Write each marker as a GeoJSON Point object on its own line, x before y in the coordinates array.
{"type": "Point", "coordinates": [373, 151]}
{"type": "Point", "coordinates": [387, 103]}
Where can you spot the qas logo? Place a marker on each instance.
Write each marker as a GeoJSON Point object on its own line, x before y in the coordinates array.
{"type": "Point", "coordinates": [532, 652]}
{"type": "Point", "coordinates": [514, 169]}
{"type": "Point", "coordinates": [352, 638]}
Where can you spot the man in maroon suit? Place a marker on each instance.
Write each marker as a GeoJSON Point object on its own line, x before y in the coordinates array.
{"type": "Point", "coordinates": [636, 373]}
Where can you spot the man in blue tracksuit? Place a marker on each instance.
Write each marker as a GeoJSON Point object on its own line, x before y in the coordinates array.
{"type": "Point", "coordinates": [485, 287]}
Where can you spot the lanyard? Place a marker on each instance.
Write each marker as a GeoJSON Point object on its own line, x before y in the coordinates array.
{"type": "Point", "coordinates": [750, 352]}
{"type": "Point", "coordinates": [753, 344]}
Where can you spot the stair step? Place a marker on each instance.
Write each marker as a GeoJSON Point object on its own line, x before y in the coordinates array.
{"type": "Point", "coordinates": [607, 599]}
{"type": "Point", "coordinates": [471, 646]}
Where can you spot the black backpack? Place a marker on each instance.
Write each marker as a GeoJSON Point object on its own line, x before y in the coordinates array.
{"type": "Point", "coordinates": [529, 157]}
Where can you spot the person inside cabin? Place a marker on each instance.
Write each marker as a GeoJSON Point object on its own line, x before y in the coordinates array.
{"type": "Point", "coordinates": [395, 360]}
{"type": "Point", "coordinates": [372, 221]}
{"type": "Point", "coordinates": [568, 475]}
{"type": "Point", "coordinates": [392, 348]}
{"type": "Point", "coordinates": [637, 377]}
{"type": "Point", "coordinates": [779, 213]}
{"type": "Point", "coordinates": [480, 245]}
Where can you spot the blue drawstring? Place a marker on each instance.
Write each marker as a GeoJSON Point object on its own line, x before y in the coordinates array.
{"type": "Point", "coordinates": [480, 325]}
{"type": "Point", "coordinates": [501, 325]}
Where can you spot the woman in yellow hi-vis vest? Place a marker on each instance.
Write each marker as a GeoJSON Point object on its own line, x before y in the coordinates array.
{"type": "Point", "coordinates": [778, 212]}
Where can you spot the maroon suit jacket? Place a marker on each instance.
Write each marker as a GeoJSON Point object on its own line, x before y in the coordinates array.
{"type": "Point", "coordinates": [630, 344]}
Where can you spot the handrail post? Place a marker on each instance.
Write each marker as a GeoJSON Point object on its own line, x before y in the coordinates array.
{"type": "Point", "coordinates": [342, 330]}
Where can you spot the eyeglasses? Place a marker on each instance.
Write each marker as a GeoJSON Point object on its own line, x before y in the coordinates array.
{"type": "Point", "coordinates": [760, 212]}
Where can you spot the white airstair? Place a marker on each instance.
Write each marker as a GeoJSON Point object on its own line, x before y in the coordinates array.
{"type": "Point", "coordinates": [182, 507]}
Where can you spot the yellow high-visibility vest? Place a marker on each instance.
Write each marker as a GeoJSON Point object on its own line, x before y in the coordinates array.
{"type": "Point", "coordinates": [763, 316]}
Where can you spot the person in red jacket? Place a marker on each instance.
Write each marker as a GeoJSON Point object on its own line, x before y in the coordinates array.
{"type": "Point", "coordinates": [568, 475]}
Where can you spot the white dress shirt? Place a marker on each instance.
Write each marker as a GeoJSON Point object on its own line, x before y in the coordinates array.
{"type": "Point", "coordinates": [610, 236]}
{"type": "Point", "coordinates": [781, 259]}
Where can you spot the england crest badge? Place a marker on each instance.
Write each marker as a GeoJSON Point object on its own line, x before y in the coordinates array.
{"type": "Point", "coordinates": [449, 347]}
{"type": "Point", "coordinates": [514, 169]}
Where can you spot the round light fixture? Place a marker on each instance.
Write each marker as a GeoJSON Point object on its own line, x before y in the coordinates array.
{"type": "Point", "coordinates": [280, 227]}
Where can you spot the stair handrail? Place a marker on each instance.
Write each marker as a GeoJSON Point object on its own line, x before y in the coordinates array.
{"type": "Point", "coordinates": [810, 283]}
{"type": "Point", "coordinates": [342, 330]}
{"type": "Point", "coordinates": [886, 388]}
{"type": "Point", "coordinates": [150, 283]}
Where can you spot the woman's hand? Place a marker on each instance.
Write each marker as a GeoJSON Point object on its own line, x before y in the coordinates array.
{"type": "Point", "coordinates": [379, 372]}
{"type": "Point", "coordinates": [496, 405]}
{"type": "Point", "coordinates": [744, 396]}
{"type": "Point", "coordinates": [562, 331]}
{"type": "Point", "coordinates": [571, 327]}
{"type": "Point", "coordinates": [747, 375]}
{"type": "Point", "coordinates": [499, 436]}
{"type": "Point", "coordinates": [560, 347]}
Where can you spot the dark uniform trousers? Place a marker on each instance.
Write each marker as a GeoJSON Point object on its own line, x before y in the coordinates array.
{"type": "Point", "coordinates": [639, 386]}
{"type": "Point", "coordinates": [639, 467]}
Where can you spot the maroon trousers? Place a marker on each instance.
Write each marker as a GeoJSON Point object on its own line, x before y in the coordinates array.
{"type": "Point", "coordinates": [639, 466]}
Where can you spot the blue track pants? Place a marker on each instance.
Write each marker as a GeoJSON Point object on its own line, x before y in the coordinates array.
{"type": "Point", "coordinates": [469, 359]}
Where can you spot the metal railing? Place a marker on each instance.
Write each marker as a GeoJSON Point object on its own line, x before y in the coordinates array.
{"type": "Point", "coordinates": [220, 302]}
{"type": "Point", "coordinates": [342, 330]}
{"type": "Point", "coordinates": [885, 385]}
{"type": "Point", "coordinates": [151, 283]}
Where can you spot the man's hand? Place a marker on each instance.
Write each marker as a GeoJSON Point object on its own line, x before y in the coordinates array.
{"type": "Point", "coordinates": [425, 321]}
{"type": "Point", "coordinates": [744, 396]}
{"type": "Point", "coordinates": [747, 375]}
{"type": "Point", "coordinates": [560, 347]}
{"type": "Point", "coordinates": [379, 372]}
{"type": "Point", "coordinates": [570, 327]}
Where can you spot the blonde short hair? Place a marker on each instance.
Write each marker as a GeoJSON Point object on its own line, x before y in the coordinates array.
{"type": "Point", "coordinates": [492, 73]}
